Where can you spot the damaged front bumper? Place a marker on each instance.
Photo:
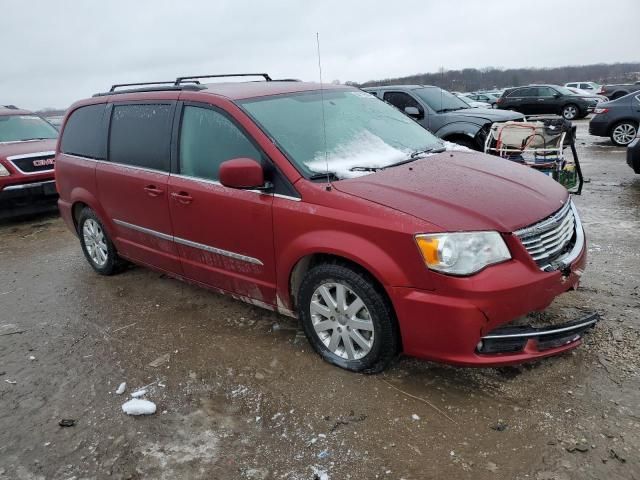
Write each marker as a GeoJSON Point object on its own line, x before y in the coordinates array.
{"type": "Point", "coordinates": [514, 339]}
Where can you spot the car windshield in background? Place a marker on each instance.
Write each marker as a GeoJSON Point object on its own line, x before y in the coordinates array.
{"type": "Point", "coordinates": [564, 91]}
{"type": "Point", "coordinates": [363, 133]}
{"type": "Point", "coordinates": [16, 128]}
{"type": "Point", "coordinates": [440, 100]}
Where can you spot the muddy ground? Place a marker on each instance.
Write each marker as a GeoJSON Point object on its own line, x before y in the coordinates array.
{"type": "Point", "coordinates": [240, 393]}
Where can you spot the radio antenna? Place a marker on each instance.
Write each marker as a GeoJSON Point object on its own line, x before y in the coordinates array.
{"type": "Point", "coordinates": [324, 124]}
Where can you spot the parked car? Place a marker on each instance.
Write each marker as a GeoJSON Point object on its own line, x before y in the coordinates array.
{"type": "Point", "coordinates": [443, 113]}
{"type": "Point", "coordinates": [633, 154]}
{"type": "Point", "coordinates": [588, 95]}
{"type": "Point", "coordinates": [472, 103]}
{"type": "Point", "coordinates": [326, 204]}
{"type": "Point", "coordinates": [546, 99]}
{"type": "Point", "coordinates": [488, 98]}
{"type": "Point", "coordinates": [617, 119]}
{"type": "Point", "coordinates": [27, 149]}
{"type": "Point", "coordinates": [591, 87]}
{"type": "Point", "coordinates": [614, 92]}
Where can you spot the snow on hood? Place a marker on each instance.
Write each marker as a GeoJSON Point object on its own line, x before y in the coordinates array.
{"type": "Point", "coordinates": [365, 150]}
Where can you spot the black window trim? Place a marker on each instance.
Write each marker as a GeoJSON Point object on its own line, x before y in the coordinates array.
{"type": "Point", "coordinates": [109, 115]}
{"type": "Point", "coordinates": [266, 162]}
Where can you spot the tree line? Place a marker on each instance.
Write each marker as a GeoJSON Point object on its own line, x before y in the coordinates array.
{"type": "Point", "coordinates": [471, 79]}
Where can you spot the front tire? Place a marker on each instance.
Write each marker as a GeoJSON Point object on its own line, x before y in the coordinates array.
{"type": "Point", "coordinates": [96, 245]}
{"type": "Point", "coordinates": [347, 318]}
{"type": "Point", "coordinates": [570, 112]}
{"type": "Point", "coordinates": [623, 133]}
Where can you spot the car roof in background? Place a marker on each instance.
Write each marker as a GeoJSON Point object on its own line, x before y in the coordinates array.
{"type": "Point", "coordinates": [12, 110]}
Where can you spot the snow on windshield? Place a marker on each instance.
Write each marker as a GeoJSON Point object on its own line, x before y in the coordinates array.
{"type": "Point", "coordinates": [365, 150]}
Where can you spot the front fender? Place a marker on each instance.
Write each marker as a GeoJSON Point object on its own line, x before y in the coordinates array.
{"type": "Point", "coordinates": [382, 266]}
{"type": "Point", "coordinates": [459, 128]}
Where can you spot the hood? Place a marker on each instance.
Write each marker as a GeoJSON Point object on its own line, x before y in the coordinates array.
{"type": "Point", "coordinates": [463, 191]}
{"type": "Point", "coordinates": [483, 115]}
{"type": "Point", "coordinates": [30, 146]}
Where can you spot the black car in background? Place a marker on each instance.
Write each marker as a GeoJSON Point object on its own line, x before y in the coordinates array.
{"type": "Point", "coordinates": [545, 100]}
{"type": "Point", "coordinates": [617, 119]}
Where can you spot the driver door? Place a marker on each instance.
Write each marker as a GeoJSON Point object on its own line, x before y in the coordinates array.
{"type": "Point", "coordinates": [224, 236]}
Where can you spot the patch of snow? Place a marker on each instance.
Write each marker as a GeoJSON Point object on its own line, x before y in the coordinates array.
{"type": "Point", "coordinates": [139, 393]}
{"type": "Point", "coordinates": [139, 407]}
{"type": "Point", "coordinates": [320, 474]}
{"type": "Point", "coordinates": [32, 357]}
{"type": "Point", "coordinates": [415, 417]}
{"type": "Point", "coordinates": [121, 388]}
{"type": "Point", "coordinates": [365, 150]}
{"type": "Point", "coordinates": [454, 147]}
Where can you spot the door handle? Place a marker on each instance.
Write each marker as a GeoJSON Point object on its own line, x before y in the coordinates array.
{"type": "Point", "coordinates": [153, 191]}
{"type": "Point", "coordinates": [541, 99]}
{"type": "Point", "coordinates": [182, 197]}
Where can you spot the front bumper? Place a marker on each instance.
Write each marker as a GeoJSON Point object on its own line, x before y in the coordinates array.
{"type": "Point", "coordinates": [448, 326]}
{"type": "Point", "coordinates": [27, 198]}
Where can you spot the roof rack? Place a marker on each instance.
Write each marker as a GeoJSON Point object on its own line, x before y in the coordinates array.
{"type": "Point", "coordinates": [11, 107]}
{"type": "Point", "coordinates": [180, 80]}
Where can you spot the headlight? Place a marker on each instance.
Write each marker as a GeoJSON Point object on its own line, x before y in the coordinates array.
{"type": "Point", "coordinates": [3, 171]}
{"type": "Point", "coordinates": [462, 253]}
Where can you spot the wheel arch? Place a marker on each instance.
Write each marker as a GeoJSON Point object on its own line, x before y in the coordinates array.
{"type": "Point", "coordinates": [621, 120]}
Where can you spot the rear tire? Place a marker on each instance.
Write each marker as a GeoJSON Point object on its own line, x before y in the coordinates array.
{"type": "Point", "coordinates": [347, 319]}
{"type": "Point", "coordinates": [570, 112]}
{"type": "Point", "coordinates": [623, 133]}
{"type": "Point", "coordinates": [96, 245]}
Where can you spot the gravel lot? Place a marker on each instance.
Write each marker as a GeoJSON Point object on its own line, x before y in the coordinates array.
{"type": "Point", "coordinates": [240, 394]}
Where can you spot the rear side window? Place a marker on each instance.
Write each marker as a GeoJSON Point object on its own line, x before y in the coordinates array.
{"type": "Point", "coordinates": [140, 135]}
{"type": "Point", "coordinates": [208, 138]}
{"type": "Point", "coordinates": [572, 85]}
{"type": "Point", "coordinates": [84, 134]}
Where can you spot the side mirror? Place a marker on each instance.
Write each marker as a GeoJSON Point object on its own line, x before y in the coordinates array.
{"type": "Point", "coordinates": [412, 112]}
{"type": "Point", "coordinates": [556, 95]}
{"type": "Point", "coordinates": [243, 173]}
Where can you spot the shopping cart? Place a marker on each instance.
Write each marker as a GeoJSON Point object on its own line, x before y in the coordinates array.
{"type": "Point", "coordinates": [540, 143]}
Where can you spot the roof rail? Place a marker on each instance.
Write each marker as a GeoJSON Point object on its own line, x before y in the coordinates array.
{"type": "Point", "coordinates": [11, 107]}
{"type": "Point", "coordinates": [171, 82]}
{"type": "Point", "coordinates": [180, 80]}
{"type": "Point", "coordinates": [159, 87]}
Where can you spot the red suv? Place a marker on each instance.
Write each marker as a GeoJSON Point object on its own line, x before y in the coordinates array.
{"type": "Point", "coordinates": [27, 144]}
{"type": "Point", "coordinates": [326, 204]}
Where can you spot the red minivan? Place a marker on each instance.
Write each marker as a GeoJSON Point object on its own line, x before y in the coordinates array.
{"type": "Point", "coordinates": [324, 203]}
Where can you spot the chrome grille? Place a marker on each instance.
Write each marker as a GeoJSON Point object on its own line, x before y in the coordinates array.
{"type": "Point", "coordinates": [550, 239]}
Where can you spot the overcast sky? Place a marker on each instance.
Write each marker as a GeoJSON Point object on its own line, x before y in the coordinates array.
{"type": "Point", "coordinates": [54, 52]}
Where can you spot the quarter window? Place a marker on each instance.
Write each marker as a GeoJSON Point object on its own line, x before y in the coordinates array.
{"type": "Point", "coordinates": [84, 134]}
{"type": "Point", "coordinates": [208, 138]}
{"type": "Point", "coordinates": [141, 135]}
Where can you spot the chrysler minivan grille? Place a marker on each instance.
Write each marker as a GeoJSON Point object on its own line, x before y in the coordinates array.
{"type": "Point", "coordinates": [551, 238]}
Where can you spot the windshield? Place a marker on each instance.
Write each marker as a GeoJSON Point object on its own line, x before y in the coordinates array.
{"type": "Point", "coordinates": [440, 100]}
{"type": "Point", "coordinates": [362, 132]}
{"type": "Point", "coordinates": [16, 128]}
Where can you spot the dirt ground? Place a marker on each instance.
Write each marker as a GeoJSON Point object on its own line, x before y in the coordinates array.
{"type": "Point", "coordinates": [241, 395]}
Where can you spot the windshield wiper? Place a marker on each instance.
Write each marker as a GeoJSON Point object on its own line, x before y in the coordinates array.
{"type": "Point", "coordinates": [323, 176]}
{"type": "Point", "coordinates": [415, 156]}
{"type": "Point", "coordinates": [35, 138]}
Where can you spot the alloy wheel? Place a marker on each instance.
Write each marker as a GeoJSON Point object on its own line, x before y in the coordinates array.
{"type": "Point", "coordinates": [341, 321]}
{"type": "Point", "coordinates": [95, 242]}
{"type": "Point", "coordinates": [624, 133]}
{"type": "Point", "coordinates": [570, 112]}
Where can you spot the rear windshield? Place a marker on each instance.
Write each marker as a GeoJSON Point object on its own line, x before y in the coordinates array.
{"type": "Point", "coordinates": [440, 100]}
{"type": "Point", "coordinates": [17, 128]}
{"type": "Point", "coordinates": [362, 131]}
